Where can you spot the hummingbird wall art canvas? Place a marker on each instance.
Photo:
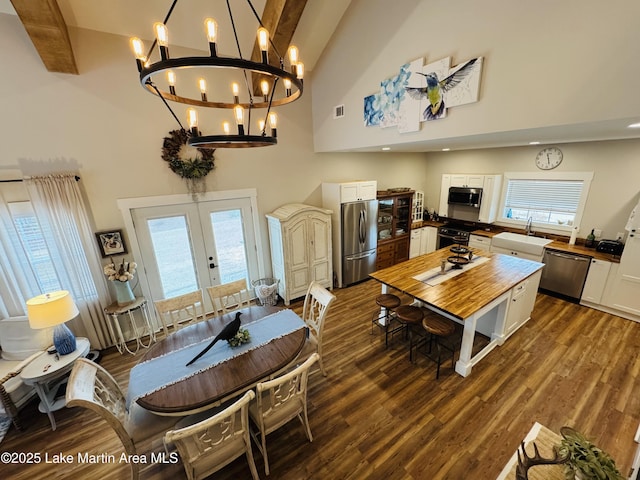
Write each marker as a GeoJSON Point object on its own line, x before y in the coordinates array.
{"type": "Point", "coordinates": [421, 93]}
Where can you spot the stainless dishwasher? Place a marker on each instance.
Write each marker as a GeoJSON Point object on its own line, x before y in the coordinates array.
{"type": "Point", "coordinates": [564, 273]}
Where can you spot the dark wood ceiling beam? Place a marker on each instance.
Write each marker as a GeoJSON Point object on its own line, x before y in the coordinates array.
{"type": "Point", "coordinates": [280, 18]}
{"type": "Point", "coordinates": [47, 29]}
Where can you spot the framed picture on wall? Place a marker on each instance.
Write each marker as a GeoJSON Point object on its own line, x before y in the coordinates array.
{"type": "Point", "coordinates": [111, 243]}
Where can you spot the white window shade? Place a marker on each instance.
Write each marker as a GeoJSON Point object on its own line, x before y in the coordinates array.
{"type": "Point", "coordinates": [556, 201]}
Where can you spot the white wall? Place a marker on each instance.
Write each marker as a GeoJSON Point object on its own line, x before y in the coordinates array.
{"type": "Point", "coordinates": [103, 125]}
{"type": "Point", "coordinates": [545, 63]}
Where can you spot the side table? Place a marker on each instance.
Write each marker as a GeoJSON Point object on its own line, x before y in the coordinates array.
{"type": "Point", "coordinates": [114, 310]}
{"type": "Point", "coordinates": [48, 372]}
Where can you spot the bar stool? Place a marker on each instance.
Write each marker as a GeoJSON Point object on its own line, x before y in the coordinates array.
{"type": "Point", "coordinates": [437, 327]}
{"type": "Point", "coordinates": [409, 317]}
{"type": "Point", "coordinates": [388, 302]}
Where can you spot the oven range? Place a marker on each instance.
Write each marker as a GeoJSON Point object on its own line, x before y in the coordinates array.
{"type": "Point", "coordinates": [447, 233]}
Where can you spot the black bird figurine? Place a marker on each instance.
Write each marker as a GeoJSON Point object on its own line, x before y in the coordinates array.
{"type": "Point", "coordinates": [228, 332]}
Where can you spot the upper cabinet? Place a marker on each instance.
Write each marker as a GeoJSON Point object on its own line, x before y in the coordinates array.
{"type": "Point", "coordinates": [357, 191]}
{"type": "Point", "coordinates": [472, 181]}
{"type": "Point", "coordinates": [491, 186]}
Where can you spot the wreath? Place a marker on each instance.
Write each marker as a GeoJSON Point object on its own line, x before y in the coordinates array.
{"type": "Point", "coordinates": [173, 153]}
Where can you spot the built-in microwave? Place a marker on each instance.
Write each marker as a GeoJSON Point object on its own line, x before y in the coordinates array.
{"type": "Point", "coordinates": [470, 197]}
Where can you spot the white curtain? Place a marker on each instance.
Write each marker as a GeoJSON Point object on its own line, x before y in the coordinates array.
{"type": "Point", "coordinates": [60, 209]}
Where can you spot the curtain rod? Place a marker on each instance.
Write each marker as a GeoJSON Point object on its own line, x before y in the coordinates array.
{"type": "Point", "coordinates": [22, 179]}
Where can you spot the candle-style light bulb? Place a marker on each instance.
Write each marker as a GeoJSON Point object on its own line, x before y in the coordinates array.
{"type": "Point", "coordinates": [192, 117]}
{"type": "Point", "coordinates": [264, 86]}
{"type": "Point", "coordinates": [225, 128]}
{"type": "Point", "coordinates": [238, 112]}
{"type": "Point", "coordinates": [261, 126]}
{"type": "Point", "coordinates": [137, 47]}
{"type": "Point", "coordinates": [171, 79]}
{"type": "Point", "coordinates": [235, 88]}
{"type": "Point", "coordinates": [273, 123]}
{"type": "Point", "coordinates": [203, 89]}
{"type": "Point", "coordinates": [212, 35]}
{"type": "Point", "coordinates": [300, 70]}
{"type": "Point", "coordinates": [287, 87]}
{"type": "Point", "coordinates": [162, 35]}
{"type": "Point", "coordinates": [293, 58]}
{"type": "Point", "coordinates": [263, 43]}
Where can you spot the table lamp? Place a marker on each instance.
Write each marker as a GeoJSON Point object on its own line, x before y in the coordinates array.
{"type": "Point", "coordinates": [53, 310]}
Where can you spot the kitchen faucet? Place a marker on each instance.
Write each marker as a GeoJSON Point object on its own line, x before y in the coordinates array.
{"type": "Point", "coordinates": [527, 229]}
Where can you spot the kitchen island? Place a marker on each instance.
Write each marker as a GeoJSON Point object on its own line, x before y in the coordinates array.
{"type": "Point", "coordinates": [492, 295]}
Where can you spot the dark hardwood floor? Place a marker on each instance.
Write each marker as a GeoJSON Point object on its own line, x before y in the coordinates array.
{"type": "Point", "coordinates": [377, 416]}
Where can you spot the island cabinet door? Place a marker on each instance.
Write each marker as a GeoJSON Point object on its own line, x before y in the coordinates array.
{"type": "Point", "coordinates": [523, 298]}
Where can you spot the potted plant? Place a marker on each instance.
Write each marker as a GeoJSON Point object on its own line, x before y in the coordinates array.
{"type": "Point", "coordinates": [586, 461]}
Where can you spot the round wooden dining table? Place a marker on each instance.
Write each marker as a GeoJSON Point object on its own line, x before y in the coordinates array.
{"type": "Point", "coordinates": [180, 391]}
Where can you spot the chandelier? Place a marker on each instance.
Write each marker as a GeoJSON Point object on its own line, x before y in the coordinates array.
{"type": "Point", "coordinates": [242, 86]}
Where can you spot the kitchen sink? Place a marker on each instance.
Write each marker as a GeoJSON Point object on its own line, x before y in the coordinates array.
{"type": "Point", "coordinates": [520, 243]}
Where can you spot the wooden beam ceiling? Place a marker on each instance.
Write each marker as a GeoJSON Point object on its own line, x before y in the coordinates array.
{"type": "Point", "coordinates": [47, 29]}
{"type": "Point", "coordinates": [280, 18]}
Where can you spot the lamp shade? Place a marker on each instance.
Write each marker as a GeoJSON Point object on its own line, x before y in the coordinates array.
{"type": "Point", "coordinates": [51, 309]}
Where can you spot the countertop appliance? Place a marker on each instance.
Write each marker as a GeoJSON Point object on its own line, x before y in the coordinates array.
{"type": "Point", "coordinates": [614, 247]}
{"type": "Point", "coordinates": [447, 233]}
{"type": "Point", "coordinates": [564, 273]}
{"type": "Point", "coordinates": [359, 240]}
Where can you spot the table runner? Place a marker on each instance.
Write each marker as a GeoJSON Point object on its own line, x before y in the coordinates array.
{"type": "Point", "coordinates": [157, 373]}
{"type": "Point", "coordinates": [433, 277]}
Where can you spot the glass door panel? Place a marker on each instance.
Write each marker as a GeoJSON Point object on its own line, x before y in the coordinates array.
{"type": "Point", "coordinates": [174, 255]}
{"type": "Point", "coordinates": [230, 245]}
{"type": "Point", "coordinates": [186, 247]}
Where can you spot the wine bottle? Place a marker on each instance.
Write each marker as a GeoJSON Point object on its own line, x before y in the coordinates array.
{"type": "Point", "coordinates": [591, 239]}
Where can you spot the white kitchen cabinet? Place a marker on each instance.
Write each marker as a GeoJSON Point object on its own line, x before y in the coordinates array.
{"type": "Point", "coordinates": [357, 191]}
{"type": "Point", "coordinates": [428, 240]}
{"type": "Point", "coordinates": [515, 253]}
{"type": "Point", "coordinates": [443, 207]}
{"type": "Point", "coordinates": [414, 242]}
{"type": "Point", "coordinates": [423, 241]}
{"type": "Point", "coordinates": [623, 283]}
{"type": "Point", "coordinates": [479, 241]}
{"type": "Point", "coordinates": [491, 187]}
{"type": "Point", "coordinates": [473, 181]}
{"type": "Point", "coordinates": [596, 281]}
{"type": "Point", "coordinates": [521, 303]}
{"type": "Point", "coordinates": [490, 202]}
{"type": "Point", "coordinates": [300, 237]}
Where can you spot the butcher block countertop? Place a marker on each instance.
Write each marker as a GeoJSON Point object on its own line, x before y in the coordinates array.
{"type": "Point", "coordinates": [560, 244]}
{"type": "Point", "coordinates": [466, 293]}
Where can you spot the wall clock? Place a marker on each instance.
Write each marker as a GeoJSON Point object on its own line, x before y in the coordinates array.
{"type": "Point", "coordinates": [549, 158]}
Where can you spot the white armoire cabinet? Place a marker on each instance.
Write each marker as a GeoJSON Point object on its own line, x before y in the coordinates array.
{"type": "Point", "coordinates": [300, 237]}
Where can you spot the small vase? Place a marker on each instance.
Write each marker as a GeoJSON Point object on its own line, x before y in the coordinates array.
{"type": "Point", "coordinates": [124, 294]}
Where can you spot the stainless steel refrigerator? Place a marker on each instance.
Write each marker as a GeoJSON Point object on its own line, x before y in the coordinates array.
{"type": "Point", "coordinates": [359, 240]}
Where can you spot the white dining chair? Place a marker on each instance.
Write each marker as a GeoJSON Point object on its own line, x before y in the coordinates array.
{"type": "Point", "coordinates": [180, 310]}
{"type": "Point", "coordinates": [215, 440]}
{"type": "Point", "coordinates": [279, 401]}
{"type": "Point", "coordinates": [314, 313]}
{"type": "Point", "coordinates": [229, 296]}
{"type": "Point", "coordinates": [90, 386]}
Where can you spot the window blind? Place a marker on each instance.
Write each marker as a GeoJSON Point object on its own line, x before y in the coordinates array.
{"type": "Point", "coordinates": [559, 196]}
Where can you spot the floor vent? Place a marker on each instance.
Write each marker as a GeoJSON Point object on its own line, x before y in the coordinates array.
{"type": "Point", "coordinates": [338, 112]}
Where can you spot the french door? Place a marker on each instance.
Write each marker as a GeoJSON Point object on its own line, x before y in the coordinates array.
{"type": "Point", "coordinates": [189, 246]}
